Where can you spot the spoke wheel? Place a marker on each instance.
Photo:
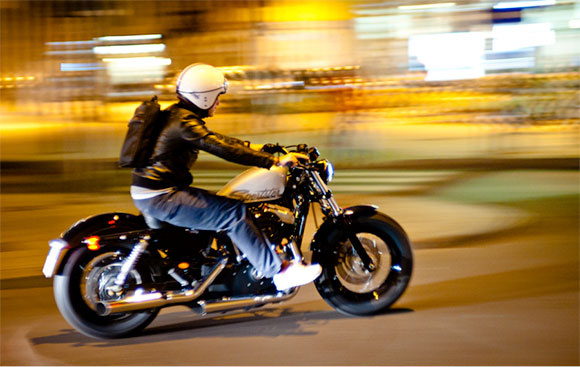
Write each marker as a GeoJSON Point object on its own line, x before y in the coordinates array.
{"type": "Point", "coordinates": [98, 279]}
{"type": "Point", "coordinates": [88, 278]}
{"type": "Point", "coordinates": [351, 271]}
{"type": "Point", "coordinates": [346, 284]}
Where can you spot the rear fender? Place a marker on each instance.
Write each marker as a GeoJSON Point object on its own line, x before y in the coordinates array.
{"type": "Point", "coordinates": [102, 221]}
{"type": "Point", "coordinates": [71, 238]}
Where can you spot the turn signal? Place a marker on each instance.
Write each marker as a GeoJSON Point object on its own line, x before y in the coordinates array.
{"type": "Point", "coordinates": [92, 243]}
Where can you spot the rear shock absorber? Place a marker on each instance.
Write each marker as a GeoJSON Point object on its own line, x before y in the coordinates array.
{"type": "Point", "coordinates": [129, 263]}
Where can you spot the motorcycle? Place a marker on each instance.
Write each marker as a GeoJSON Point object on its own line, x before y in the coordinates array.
{"type": "Point", "coordinates": [114, 272]}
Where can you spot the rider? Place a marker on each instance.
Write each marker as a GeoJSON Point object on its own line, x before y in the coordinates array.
{"type": "Point", "coordinates": [161, 190]}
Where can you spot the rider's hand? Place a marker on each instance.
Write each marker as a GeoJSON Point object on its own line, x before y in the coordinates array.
{"type": "Point", "coordinates": [269, 148]}
{"type": "Point", "coordinates": [291, 159]}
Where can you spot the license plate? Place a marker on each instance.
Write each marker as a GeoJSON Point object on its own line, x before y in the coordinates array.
{"type": "Point", "coordinates": [58, 248]}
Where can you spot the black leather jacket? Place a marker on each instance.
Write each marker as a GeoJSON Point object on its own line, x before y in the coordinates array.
{"type": "Point", "coordinates": [177, 148]}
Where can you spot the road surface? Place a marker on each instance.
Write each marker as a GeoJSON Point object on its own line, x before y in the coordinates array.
{"type": "Point", "coordinates": [495, 283]}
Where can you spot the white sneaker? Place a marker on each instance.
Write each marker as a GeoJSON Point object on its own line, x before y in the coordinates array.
{"type": "Point", "coordinates": [296, 274]}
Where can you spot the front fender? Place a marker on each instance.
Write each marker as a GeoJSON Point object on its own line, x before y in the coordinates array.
{"type": "Point", "coordinates": [329, 226]}
{"type": "Point", "coordinates": [70, 239]}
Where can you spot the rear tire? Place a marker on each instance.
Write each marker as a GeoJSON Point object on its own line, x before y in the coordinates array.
{"type": "Point", "coordinates": [346, 285]}
{"type": "Point", "coordinates": [76, 299]}
{"type": "Point", "coordinates": [82, 285]}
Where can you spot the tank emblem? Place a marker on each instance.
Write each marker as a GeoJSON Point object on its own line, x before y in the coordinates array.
{"type": "Point", "coordinates": [246, 195]}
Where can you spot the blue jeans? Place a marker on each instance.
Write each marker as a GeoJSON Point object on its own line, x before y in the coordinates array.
{"type": "Point", "coordinates": [199, 209]}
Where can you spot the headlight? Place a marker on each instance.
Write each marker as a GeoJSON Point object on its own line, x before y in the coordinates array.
{"type": "Point", "coordinates": [329, 172]}
{"type": "Point", "coordinates": [326, 170]}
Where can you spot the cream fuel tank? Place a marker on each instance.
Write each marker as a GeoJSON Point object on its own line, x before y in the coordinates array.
{"type": "Point", "coordinates": [257, 184]}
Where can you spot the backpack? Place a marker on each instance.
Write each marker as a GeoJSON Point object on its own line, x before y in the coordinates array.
{"type": "Point", "coordinates": [144, 129]}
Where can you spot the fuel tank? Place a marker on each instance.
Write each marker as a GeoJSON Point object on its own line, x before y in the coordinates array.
{"type": "Point", "coordinates": [257, 184]}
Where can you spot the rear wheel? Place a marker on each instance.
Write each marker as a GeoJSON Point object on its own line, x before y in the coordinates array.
{"type": "Point", "coordinates": [347, 285]}
{"type": "Point", "coordinates": [87, 279]}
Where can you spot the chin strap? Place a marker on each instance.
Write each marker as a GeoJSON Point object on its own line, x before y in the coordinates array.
{"type": "Point", "coordinates": [185, 103]}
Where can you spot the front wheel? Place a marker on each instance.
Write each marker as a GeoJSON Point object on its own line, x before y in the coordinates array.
{"type": "Point", "coordinates": [346, 284]}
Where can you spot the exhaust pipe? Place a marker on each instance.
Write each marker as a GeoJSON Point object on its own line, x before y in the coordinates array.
{"type": "Point", "coordinates": [242, 303]}
{"type": "Point", "coordinates": [142, 300]}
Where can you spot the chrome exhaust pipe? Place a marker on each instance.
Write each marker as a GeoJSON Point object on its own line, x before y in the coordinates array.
{"type": "Point", "coordinates": [242, 303]}
{"type": "Point", "coordinates": [142, 300]}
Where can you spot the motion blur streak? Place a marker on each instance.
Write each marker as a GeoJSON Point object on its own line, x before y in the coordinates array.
{"type": "Point", "coordinates": [508, 60]}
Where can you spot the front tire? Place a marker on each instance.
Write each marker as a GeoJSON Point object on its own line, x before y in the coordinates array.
{"type": "Point", "coordinates": [346, 285]}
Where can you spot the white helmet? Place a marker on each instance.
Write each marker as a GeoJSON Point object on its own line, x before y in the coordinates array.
{"type": "Point", "coordinates": [201, 84]}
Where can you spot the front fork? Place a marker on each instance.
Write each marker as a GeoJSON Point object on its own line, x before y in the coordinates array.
{"type": "Point", "coordinates": [357, 245]}
{"type": "Point", "coordinates": [331, 209]}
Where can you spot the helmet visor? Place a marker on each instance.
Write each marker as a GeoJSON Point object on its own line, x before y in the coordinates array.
{"type": "Point", "coordinates": [224, 87]}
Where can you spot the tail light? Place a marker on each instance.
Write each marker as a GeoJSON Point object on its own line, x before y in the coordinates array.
{"type": "Point", "coordinates": [92, 243]}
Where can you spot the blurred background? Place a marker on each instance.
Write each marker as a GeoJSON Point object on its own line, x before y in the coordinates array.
{"type": "Point", "coordinates": [404, 71]}
{"type": "Point", "coordinates": [372, 84]}
{"type": "Point", "coordinates": [458, 118]}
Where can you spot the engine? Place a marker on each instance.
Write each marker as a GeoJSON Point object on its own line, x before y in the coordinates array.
{"type": "Point", "coordinates": [275, 221]}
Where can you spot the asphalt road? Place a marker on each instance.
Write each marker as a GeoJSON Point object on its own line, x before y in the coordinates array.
{"type": "Point", "coordinates": [482, 293]}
